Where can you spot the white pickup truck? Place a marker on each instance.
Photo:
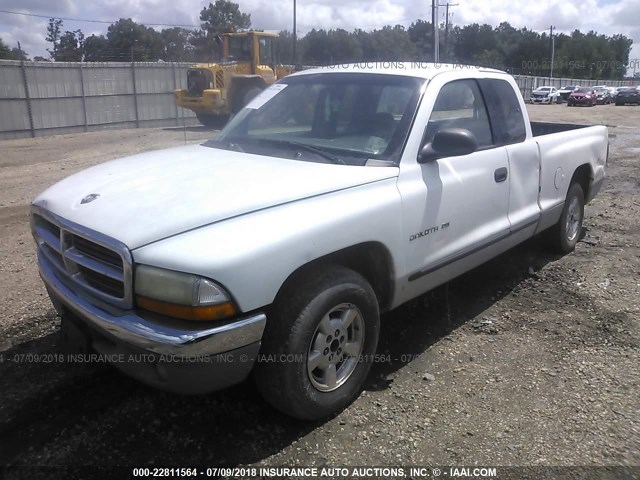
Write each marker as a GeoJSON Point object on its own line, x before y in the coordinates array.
{"type": "Point", "coordinates": [335, 195]}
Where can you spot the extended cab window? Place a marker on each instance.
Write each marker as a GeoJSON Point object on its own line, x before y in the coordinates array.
{"type": "Point", "coordinates": [504, 110]}
{"type": "Point", "coordinates": [460, 105]}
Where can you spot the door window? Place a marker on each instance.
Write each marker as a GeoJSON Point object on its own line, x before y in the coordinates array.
{"type": "Point", "coordinates": [460, 105]}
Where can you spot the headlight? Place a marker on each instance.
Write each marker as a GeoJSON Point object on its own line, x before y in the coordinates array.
{"type": "Point", "coordinates": [181, 295]}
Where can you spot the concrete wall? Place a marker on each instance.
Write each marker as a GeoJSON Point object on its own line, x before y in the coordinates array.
{"type": "Point", "coordinates": [45, 98]}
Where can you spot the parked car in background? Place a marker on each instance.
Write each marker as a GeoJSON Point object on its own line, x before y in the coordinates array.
{"type": "Point", "coordinates": [582, 96]}
{"type": "Point", "coordinates": [602, 95]}
{"type": "Point", "coordinates": [566, 91]}
{"type": "Point", "coordinates": [628, 95]}
{"type": "Point", "coordinates": [613, 91]}
{"type": "Point", "coordinates": [547, 95]}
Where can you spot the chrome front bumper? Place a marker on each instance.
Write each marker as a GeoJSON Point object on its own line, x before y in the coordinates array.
{"type": "Point", "coordinates": [135, 331]}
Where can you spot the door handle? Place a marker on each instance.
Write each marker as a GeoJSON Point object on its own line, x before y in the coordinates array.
{"type": "Point", "coordinates": [500, 175]}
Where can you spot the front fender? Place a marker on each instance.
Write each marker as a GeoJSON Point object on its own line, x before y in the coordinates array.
{"type": "Point", "coordinates": [252, 255]}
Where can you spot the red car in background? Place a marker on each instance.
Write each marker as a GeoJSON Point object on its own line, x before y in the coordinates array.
{"type": "Point", "coordinates": [582, 96]}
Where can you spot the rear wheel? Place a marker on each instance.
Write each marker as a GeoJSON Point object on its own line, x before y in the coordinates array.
{"type": "Point", "coordinates": [317, 349]}
{"type": "Point", "coordinates": [564, 235]}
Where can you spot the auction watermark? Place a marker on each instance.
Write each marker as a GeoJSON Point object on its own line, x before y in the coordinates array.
{"type": "Point", "coordinates": [222, 358]}
{"type": "Point", "coordinates": [564, 63]}
{"type": "Point", "coordinates": [340, 472]}
{"type": "Point", "coordinates": [413, 65]}
{"type": "Point", "coordinates": [531, 65]}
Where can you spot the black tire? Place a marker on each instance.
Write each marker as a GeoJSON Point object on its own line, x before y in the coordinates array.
{"type": "Point", "coordinates": [211, 120]}
{"type": "Point", "coordinates": [562, 238]}
{"type": "Point", "coordinates": [294, 333]}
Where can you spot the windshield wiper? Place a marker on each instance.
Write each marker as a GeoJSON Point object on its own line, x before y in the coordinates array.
{"type": "Point", "coordinates": [318, 151]}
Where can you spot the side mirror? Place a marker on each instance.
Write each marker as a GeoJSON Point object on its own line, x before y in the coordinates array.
{"type": "Point", "coordinates": [448, 142]}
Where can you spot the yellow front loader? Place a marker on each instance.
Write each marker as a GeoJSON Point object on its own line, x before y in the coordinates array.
{"type": "Point", "coordinates": [215, 91]}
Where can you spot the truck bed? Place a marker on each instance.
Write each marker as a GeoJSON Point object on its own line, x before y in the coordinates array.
{"type": "Point", "coordinates": [545, 128]}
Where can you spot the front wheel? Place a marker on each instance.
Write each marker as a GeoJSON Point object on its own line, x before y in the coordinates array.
{"type": "Point", "coordinates": [319, 343]}
{"type": "Point", "coordinates": [564, 235]}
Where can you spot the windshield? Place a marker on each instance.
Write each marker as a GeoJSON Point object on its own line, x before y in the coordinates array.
{"type": "Point", "coordinates": [341, 118]}
{"type": "Point", "coordinates": [583, 90]}
{"type": "Point", "coordinates": [544, 89]}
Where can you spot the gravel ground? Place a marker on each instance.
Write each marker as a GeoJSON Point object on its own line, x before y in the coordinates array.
{"type": "Point", "coordinates": [531, 359]}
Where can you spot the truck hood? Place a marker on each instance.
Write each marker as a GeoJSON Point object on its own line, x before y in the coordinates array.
{"type": "Point", "coordinates": [147, 197]}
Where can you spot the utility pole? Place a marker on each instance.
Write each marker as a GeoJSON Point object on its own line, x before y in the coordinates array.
{"type": "Point", "coordinates": [446, 27]}
{"type": "Point", "coordinates": [553, 51]}
{"type": "Point", "coordinates": [436, 36]}
{"type": "Point", "coordinates": [295, 35]}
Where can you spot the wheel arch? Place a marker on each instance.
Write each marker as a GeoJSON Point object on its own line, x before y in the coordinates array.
{"type": "Point", "coordinates": [372, 260]}
{"type": "Point", "coordinates": [583, 175]}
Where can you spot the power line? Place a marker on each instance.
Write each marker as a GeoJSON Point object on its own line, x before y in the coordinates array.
{"type": "Point", "coordinates": [446, 26]}
{"type": "Point", "coordinates": [93, 21]}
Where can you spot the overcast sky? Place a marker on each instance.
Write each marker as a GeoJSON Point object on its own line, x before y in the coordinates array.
{"type": "Point", "coordinates": [604, 16]}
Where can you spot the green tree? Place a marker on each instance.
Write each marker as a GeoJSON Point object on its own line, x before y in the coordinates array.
{"type": "Point", "coordinates": [205, 48]}
{"type": "Point", "coordinates": [19, 54]}
{"type": "Point", "coordinates": [5, 51]}
{"type": "Point", "coordinates": [129, 40]}
{"type": "Point", "coordinates": [421, 36]}
{"type": "Point", "coordinates": [70, 47]}
{"type": "Point", "coordinates": [222, 17]}
{"type": "Point", "coordinates": [392, 44]}
{"type": "Point", "coordinates": [15, 53]}
{"type": "Point", "coordinates": [53, 35]}
{"type": "Point", "coordinates": [284, 48]}
{"type": "Point", "coordinates": [96, 49]}
{"type": "Point", "coordinates": [176, 45]}
{"type": "Point", "coordinates": [490, 59]}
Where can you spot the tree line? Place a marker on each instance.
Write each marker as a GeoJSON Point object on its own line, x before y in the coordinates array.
{"type": "Point", "coordinates": [517, 50]}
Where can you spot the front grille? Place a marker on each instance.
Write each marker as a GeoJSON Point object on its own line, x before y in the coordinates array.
{"type": "Point", "coordinates": [101, 282]}
{"type": "Point", "coordinates": [97, 252]}
{"type": "Point", "coordinates": [90, 261]}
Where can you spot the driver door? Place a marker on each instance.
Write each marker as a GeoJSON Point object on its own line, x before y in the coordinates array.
{"type": "Point", "coordinates": [457, 205]}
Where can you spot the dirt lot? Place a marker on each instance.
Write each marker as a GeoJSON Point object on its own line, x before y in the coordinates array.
{"type": "Point", "coordinates": [531, 359]}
